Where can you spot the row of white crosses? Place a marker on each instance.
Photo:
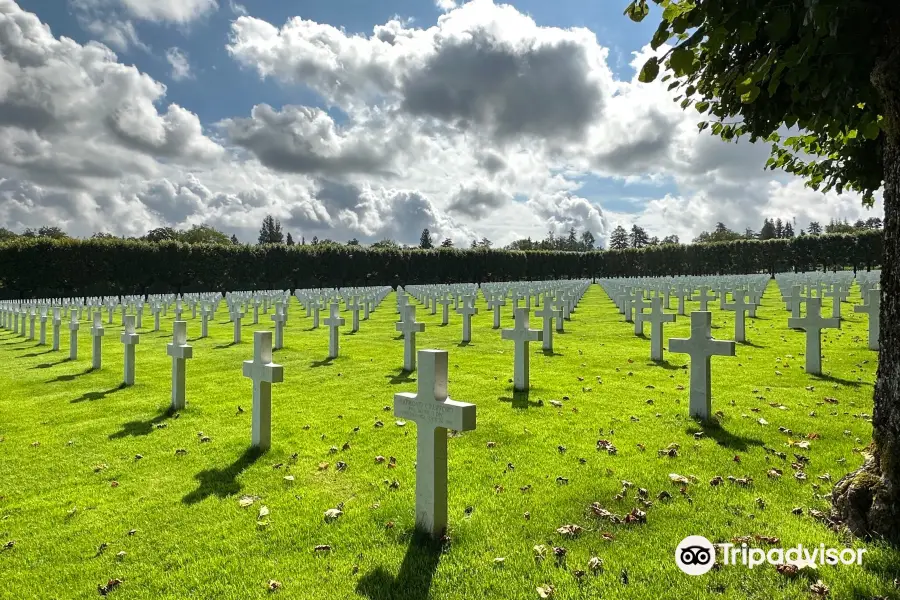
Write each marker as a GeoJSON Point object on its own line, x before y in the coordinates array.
{"type": "Point", "coordinates": [798, 289]}
{"type": "Point", "coordinates": [631, 297]}
{"type": "Point", "coordinates": [430, 408]}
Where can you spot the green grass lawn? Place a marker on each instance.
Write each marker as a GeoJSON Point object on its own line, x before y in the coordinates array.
{"type": "Point", "coordinates": [70, 481]}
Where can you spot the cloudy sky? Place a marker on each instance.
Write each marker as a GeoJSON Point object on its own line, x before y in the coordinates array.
{"type": "Point", "coordinates": [362, 119]}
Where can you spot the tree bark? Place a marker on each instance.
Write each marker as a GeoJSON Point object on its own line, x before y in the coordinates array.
{"type": "Point", "coordinates": [867, 501]}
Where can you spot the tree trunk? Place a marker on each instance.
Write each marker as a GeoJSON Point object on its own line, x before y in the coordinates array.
{"type": "Point", "coordinates": [867, 501]}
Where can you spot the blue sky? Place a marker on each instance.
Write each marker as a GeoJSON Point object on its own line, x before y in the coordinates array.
{"type": "Point", "coordinates": [343, 136]}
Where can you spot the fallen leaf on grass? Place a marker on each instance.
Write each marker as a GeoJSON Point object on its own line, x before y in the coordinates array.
{"type": "Point", "coordinates": [110, 586]}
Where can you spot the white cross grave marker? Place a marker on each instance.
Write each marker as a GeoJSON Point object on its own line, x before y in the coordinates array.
{"type": "Point", "coordinates": [520, 334]}
{"type": "Point", "coordinates": [813, 324]}
{"type": "Point", "coordinates": [236, 315]}
{"type": "Point", "coordinates": [657, 317]}
{"type": "Point", "coordinates": [130, 339]}
{"type": "Point", "coordinates": [739, 306]}
{"type": "Point", "coordinates": [433, 413]}
{"type": "Point", "coordinates": [56, 323]}
{"type": "Point", "coordinates": [73, 336]}
{"type": "Point", "coordinates": [334, 322]}
{"type": "Point", "coordinates": [872, 308]}
{"type": "Point", "coordinates": [467, 310]}
{"type": "Point", "coordinates": [97, 335]}
{"type": "Point", "coordinates": [180, 351]}
{"type": "Point", "coordinates": [547, 313]}
{"type": "Point", "coordinates": [409, 328]}
{"type": "Point", "coordinates": [264, 373]}
{"type": "Point", "coordinates": [279, 319]}
{"type": "Point", "coordinates": [700, 347]}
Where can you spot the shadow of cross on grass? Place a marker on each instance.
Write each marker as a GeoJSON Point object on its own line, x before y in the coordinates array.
{"type": "Point", "coordinates": [520, 400]}
{"type": "Point", "coordinates": [401, 377]}
{"type": "Point", "coordinates": [413, 581]}
{"type": "Point", "coordinates": [222, 482]}
{"type": "Point", "coordinates": [97, 395]}
{"type": "Point", "coordinates": [722, 436]}
{"type": "Point", "coordinates": [138, 428]}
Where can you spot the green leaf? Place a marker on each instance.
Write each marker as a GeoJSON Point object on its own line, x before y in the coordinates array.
{"type": "Point", "coordinates": [637, 10]}
{"type": "Point", "coordinates": [747, 31]}
{"type": "Point", "coordinates": [681, 61]}
{"type": "Point", "coordinates": [871, 130]}
{"type": "Point", "coordinates": [702, 106]}
{"type": "Point", "coordinates": [779, 26]}
{"type": "Point", "coordinates": [751, 95]}
{"type": "Point", "coordinates": [650, 70]}
{"type": "Point", "coordinates": [661, 36]}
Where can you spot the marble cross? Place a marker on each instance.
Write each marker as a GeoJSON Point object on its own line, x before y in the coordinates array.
{"type": "Point", "coordinates": [657, 317]}
{"type": "Point", "coordinates": [236, 315]}
{"type": "Point", "coordinates": [445, 311]}
{"type": "Point", "coordinates": [130, 339]}
{"type": "Point", "coordinates": [684, 295]}
{"type": "Point", "coordinates": [705, 297]}
{"type": "Point", "coordinates": [279, 318]}
{"type": "Point", "coordinates": [559, 305]}
{"type": "Point", "coordinates": [354, 307]}
{"type": "Point", "coordinates": [739, 306]}
{"type": "Point", "coordinates": [263, 372]}
{"type": "Point", "coordinates": [521, 335]}
{"type": "Point", "coordinates": [57, 321]}
{"type": "Point", "coordinates": [467, 310]}
{"type": "Point", "coordinates": [334, 322]}
{"type": "Point", "coordinates": [872, 308]}
{"type": "Point", "coordinates": [494, 304]}
{"type": "Point", "coordinates": [42, 338]}
{"type": "Point", "coordinates": [813, 324]}
{"type": "Point", "coordinates": [180, 351]}
{"type": "Point", "coordinates": [97, 335]}
{"type": "Point", "coordinates": [792, 301]}
{"type": "Point", "coordinates": [73, 336]}
{"type": "Point", "coordinates": [700, 347]}
{"type": "Point", "coordinates": [409, 328]}
{"type": "Point", "coordinates": [204, 321]}
{"type": "Point", "coordinates": [639, 304]}
{"type": "Point", "coordinates": [547, 314]}
{"type": "Point", "coordinates": [434, 413]}
{"type": "Point", "coordinates": [834, 292]}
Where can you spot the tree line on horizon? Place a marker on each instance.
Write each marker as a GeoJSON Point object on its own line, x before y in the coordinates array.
{"type": "Point", "coordinates": [272, 232]}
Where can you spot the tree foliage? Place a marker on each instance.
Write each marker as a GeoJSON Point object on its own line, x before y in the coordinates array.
{"type": "Point", "coordinates": [44, 267]}
{"type": "Point", "coordinates": [270, 232]}
{"type": "Point", "coordinates": [774, 64]}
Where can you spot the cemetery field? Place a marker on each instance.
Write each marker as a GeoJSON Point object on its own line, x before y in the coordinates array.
{"type": "Point", "coordinates": [92, 487]}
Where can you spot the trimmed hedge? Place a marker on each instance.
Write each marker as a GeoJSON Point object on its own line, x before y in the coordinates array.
{"type": "Point", "coordinates": [40, 267]}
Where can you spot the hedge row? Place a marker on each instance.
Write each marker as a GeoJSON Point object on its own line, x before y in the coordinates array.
{"type": "Point", "coordinates": [69, 267]}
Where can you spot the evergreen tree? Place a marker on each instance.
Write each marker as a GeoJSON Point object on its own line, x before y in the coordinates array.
{"type": "Point", "coordinates": [270, 232]}
{"type": "Point", "coordinates": [618, 239]}
{"type": "Point", "coordinates": [768, 230]}
{"type": "Point", "coordinates": [814, 228]}
{"type": "Point", "coordinates": [638, 237]}
{"type": "Point", "coordinates": [587, 241]}
{"type": "Point", "coordinates": [788, 230]}
{"type": "Point", "coordinates": [447, 243]}
{"type": "Point", "coordinates": [425, 241]}
{"type": "Point", "coordinates": [289, 241]}
{"type": "Point", "coordinates": [234, 240]}
{"type": "Point", "coordinates": [779, 229]}
{"type": "Point", "coordinates": [572, 240]}
{"type": "Point", "coordinates": [670, 239]}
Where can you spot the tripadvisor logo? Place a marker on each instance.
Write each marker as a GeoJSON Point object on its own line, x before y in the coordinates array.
{"type": "Point", "coordinates": [696, 555]}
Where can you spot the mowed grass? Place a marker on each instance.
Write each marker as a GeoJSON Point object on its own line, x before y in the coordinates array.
{"type": "Point", "coordinates": [59, 421]}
